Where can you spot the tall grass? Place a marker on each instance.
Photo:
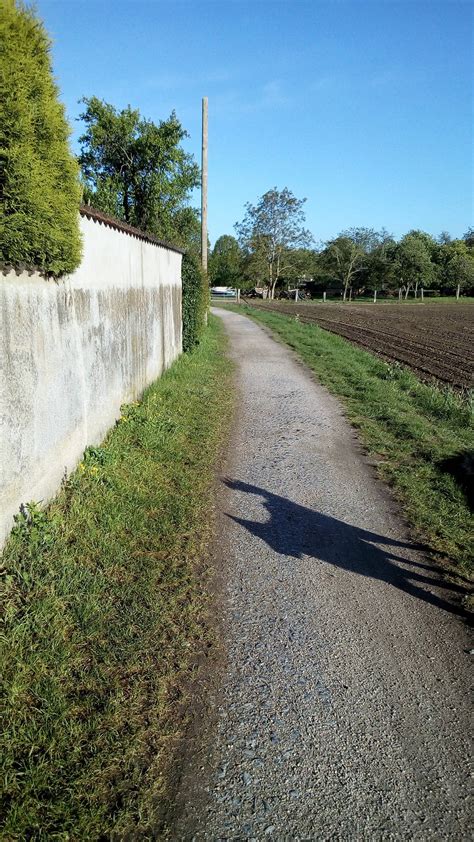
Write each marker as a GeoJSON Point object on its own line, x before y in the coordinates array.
{"type": "Point", "coordinates": [105, 608]}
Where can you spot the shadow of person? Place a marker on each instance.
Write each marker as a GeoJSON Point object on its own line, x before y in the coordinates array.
{"type": "Point", "coordinates": [296, 531]}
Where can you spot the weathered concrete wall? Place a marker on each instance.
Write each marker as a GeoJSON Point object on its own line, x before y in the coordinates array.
{"type": "Point", "coordinates": [73, 351]}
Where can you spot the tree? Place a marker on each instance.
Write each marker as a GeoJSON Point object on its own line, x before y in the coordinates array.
{"type": "Point", "coordinates": [380, 265]}
{"type": "Point", "coordinates": [342, 259]}
{"type": "Point", "coordinates": [458, 269]}
{"type": "Point", "coordinates": [39, 184]}
{"type": "Point", "coordinates": [444, 238]}
{"type": "Point", "coordinates": [137, 170]}
{"type": "Point", "coordinates": [254, 263]}
{"type": "Point", "coordinates": [302, 266]}
{"type": "Point", "coordinates": [414, 263]}
{"type": "Point", "coordinates": [367, 239]}
{"type": "Point", "coordinates": [187, 231]}
{"type": "Point", "coordinates": [225, 262]}
{"type": "Point", "coordinates": [360, 254]}
{"type": "Point", "coordinates": [270, 230]}
{"type": "Point", "coordinates": [468, 237]}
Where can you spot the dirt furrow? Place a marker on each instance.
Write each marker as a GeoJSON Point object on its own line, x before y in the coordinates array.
{"type": "Point", "coordinates": [436, 342]}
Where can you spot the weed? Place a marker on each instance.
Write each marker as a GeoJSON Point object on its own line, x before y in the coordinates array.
{"type": "Point", "coordinates": [105, 606]}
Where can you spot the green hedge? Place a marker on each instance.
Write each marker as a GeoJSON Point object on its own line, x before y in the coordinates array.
{"type": "Point", "coordinates": [39, 184]}
{"type": "Point", "coordinates": [195, 301]}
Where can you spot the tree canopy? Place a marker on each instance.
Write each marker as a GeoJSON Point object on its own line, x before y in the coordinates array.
{"type": "Point", "coordinates": [342, 258]}
{"type": "Point", "coordinates": [39, 178]}
{"type": "Point", "coordinates": [269, 232]}
{"type": "Point", "coordinates": [277, 250]}
{"type": "Point", "coordinates": [468, 237]}
{"type": "Point", "coordinates": [414, 261]}
{"type": "Point", "coordinates": [353, 255]}
{"type": "Point", "coordinates": [225, 262]}
{"type": "Point", "coordinates": [358, 259]}
{"type": "Point", "coordinates": [458, 264]}
{"type": "Point", "coordinates": [138, 171]}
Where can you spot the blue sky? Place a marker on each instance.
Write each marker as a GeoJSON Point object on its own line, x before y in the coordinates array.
{"type": "Point", "coordinates": [362, 106]}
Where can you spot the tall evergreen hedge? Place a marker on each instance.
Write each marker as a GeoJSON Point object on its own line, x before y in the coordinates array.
{"type": "Point", "coordinates": [39, 185]}
{"type": "Point", "coordinates": [195, 301]}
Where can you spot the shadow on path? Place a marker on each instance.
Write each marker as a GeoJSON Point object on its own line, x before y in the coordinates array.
{"type": "Point", "coordinates": [297, 531]}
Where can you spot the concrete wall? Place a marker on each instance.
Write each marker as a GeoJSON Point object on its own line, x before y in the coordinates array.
{"type": "Point", "coordinates": [72, 351]}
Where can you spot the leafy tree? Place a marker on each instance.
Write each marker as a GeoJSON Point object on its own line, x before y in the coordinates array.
{"type": "Point", "coordinates": [138, 170]}
{"type": "Point", "coordinates": [468, 237]}
{"type": "Point", "coordinates": [187, 231]}
{"type": "Point", "coordinates": [269, 232]}
{"type": "Point", "coordinates": [367, 239]}
{"type": "Point", "coordinates": [414, 264]}
{"type": "Point", "coordinates": [458, 269]}
{"type": "Point", "coordinates": [342, 260]}
{"type": "Point", "coordinates": [39, 184]}
{"type": "Point", "coordinates": [302, 266]}
{"type": "Point", "coordinates": [255, 263]}
{"type": "Point", "coordinates": [225, 263]}
{"type": "Point", "coordinates": [444, 238]}
{"type": "Point", "coordinates": [380, 264]}
{"type": "Point", "coordinates": [429, 242]}
{"type": "Point", "coordinates": [358, 254]}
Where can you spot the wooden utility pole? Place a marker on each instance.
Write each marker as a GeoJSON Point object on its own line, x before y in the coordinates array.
{"type": "Point", "coordinates": [204, 187]}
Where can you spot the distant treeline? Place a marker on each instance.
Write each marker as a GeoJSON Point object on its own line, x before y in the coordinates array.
{"type": "Point", "coordinates": [358, 259]}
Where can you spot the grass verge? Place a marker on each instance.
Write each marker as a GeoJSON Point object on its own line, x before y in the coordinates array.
{"type": "Point", "coordinates": [105, 598]}
{"type": "Point", "coordinates": [421, 435]}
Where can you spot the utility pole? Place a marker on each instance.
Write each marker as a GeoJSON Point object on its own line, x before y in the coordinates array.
{"type": "Point", "coordinates": [204, 187]}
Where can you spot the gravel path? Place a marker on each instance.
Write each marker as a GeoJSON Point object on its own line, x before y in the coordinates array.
{"type": "Point", "coordinates": [343, 709]}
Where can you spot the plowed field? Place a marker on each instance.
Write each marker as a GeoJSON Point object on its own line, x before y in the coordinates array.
{"type": "Point", "coordinates": [435, 340]}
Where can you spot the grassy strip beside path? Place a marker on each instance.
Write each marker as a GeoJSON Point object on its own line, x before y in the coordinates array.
{"type": "Point", "coordinates": [106, 606]}
{"type": "Point", "coordinates": [411, 427]}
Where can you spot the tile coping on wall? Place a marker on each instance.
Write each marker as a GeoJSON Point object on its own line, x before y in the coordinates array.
{"type": "Point", "coordinates": [98, 216]}
{"type": "Point", "coordinates": [105, 219]}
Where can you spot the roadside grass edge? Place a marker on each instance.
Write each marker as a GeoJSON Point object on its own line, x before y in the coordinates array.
{"type": "Point", "coordinates": [106, 607]}
{"type": "Point", "coordinates": [414, 432]}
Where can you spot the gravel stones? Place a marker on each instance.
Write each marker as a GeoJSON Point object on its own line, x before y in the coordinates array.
{"type": "Point", "coordinates": [343, 711]}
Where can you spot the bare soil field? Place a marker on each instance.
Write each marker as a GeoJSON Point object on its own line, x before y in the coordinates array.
{"type": "Point", "coordinates": [435, 340]}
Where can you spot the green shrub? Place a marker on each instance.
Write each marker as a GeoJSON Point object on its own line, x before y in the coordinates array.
{"type": "Point", "coordinates": [195, 301]}
{"type": "Point", "coordinates": [39, 185]}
